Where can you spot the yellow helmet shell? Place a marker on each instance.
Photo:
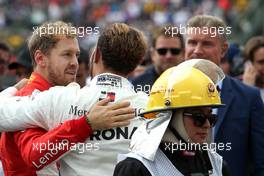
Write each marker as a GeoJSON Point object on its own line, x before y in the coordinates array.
{"type": "Point", "coordinates": [181, 87]}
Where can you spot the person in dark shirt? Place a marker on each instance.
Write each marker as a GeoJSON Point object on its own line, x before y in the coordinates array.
{"type": "Point", "coordinates": [167, 51]}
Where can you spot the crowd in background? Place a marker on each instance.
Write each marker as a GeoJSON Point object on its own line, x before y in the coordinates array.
{"type": "Point", "coordinates": [243, 60]}
{"type": "Point", "coordinates": [18, 17]}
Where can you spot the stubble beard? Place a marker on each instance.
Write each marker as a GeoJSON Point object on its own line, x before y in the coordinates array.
{"type": "Point", "coordinates": [56, 79]}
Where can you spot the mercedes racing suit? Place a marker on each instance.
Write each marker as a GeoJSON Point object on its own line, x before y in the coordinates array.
{"type": "Point", "coordinates": [98, 155]}
{"type": "Point", "coordinates": [16, 147]}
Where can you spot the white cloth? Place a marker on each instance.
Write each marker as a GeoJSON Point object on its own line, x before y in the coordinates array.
{"type": "Point", "coordinates": [50, 108]}
{"type": "Point", "coordinates": [147, 137]}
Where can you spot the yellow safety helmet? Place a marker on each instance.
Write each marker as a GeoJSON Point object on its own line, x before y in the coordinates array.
{"type": "Point", "coordinates": [181, 87]}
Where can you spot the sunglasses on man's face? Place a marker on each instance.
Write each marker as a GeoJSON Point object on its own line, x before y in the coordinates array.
{"type": "Point", "coordinates": [173, 51]}
{"type": "Point", "coordinates": [200, 118]}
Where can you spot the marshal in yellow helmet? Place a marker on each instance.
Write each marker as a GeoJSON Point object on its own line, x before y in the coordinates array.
{"type": "Point", "coordinates": [183, 86]}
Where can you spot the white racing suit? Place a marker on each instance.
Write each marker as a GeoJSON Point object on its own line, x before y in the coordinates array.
{"type": "Point", "coordinates": [48, 109]}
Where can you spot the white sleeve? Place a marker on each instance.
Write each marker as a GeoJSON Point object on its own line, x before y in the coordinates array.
{"type": "Point", "coordinates": [19, 113]}
{"type": "Point", "coordinates": [43, 109]}
{"type": "Point", "coordinates": [8, 92]}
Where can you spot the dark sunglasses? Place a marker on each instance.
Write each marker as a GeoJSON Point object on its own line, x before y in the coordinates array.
{"type": "Point", "coordinates": [200, 118]}
{"type": "Point", "coordinates": [173, 51]}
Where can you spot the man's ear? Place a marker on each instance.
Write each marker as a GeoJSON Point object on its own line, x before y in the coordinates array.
{"type": "Point", "coordinates": [97, 55]}
{"type": "Point", "coordinates": [40, 59]}
{"type": "Point", "coordinates": [224, 49]}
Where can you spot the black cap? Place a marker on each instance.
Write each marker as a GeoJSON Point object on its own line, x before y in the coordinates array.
{"type": "Point", "coordinates": [23, 59]}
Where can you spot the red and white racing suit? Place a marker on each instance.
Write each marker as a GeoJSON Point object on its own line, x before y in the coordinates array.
{"type": "Point", "coordinates": [18, 156]}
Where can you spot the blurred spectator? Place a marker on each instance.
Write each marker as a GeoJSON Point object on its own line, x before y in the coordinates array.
{"type": "Point", "coordinates": [20, 16]}
{"type": "Point", "coordinates": [2, 66]}
{"type": "Point", "coordinates": [22, 65]}
{"type": "Point", "coordinates": [166, 52]}
{"type": "Point", "coordinates": [254, 63]}
{"type": "Point", "coordinates": [232, 63]}
{"type": "Point", "coordinates": [4, 52]}
{"type": "Point", "coordinates": [140, 69]}
{"type": "Point", "coordinates": [83, 70]}
{"type": "Point", "coordinates": [225, 65]}
{"type": "Point", "coordinates": [6, 78]}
